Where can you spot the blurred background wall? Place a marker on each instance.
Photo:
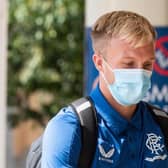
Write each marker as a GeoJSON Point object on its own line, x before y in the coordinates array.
{"type": "Point", "coordinates": [49, 62]}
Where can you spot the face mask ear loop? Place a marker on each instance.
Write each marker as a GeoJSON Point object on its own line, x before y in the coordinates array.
{"type": "Point", "coordinates": [103, 76]}
{"type": "Point", "coordinates": [110, 70]}
{"type": "Point", "coordinates": [108, 65]}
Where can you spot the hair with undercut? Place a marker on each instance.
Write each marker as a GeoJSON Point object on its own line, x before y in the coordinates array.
{"type": "Point", "coordinates": [125, 25]}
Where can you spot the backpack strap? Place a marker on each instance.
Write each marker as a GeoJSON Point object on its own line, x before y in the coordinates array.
{"type": "Point", "coordinates": [87, 116]}
{"type": "Point", "coordinates": [86, 112]}
{"type": "Point", "coordinates": [161, 117]}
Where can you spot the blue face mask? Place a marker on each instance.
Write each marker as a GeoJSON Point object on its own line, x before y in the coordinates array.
{"type": "Point", "coordinates": [130, 85]}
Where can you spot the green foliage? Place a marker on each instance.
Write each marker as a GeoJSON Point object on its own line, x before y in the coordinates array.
{"type": "Point", "coordinates": [45, 55]}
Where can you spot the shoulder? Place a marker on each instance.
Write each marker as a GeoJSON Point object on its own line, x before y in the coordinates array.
{"type": "Point", "coordinates": [156, 112]}
{"type": "Point", "coordinates": [61, 140]}
{"type": "Point", "coordinates": [65, 116]}
{"type": "Point", "coordinates": [160, 118]}
{"type": "Point", "coordinates": [64, 124]}
{"type": "Point", "coordinates": [153, 117]}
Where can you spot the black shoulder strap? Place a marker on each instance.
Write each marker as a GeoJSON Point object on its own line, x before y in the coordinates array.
{"type": "Point", "coordinates": [161, 117]}
{"type": "Point", "coordinates": [87, 115]}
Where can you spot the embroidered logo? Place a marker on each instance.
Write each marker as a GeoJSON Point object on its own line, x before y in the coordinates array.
{"type": "Point", "coordinates": [105, 156]}
{"type": "Point", "coordinates": [156, 148]}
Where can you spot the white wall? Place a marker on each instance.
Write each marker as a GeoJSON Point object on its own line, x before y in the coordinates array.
{"type": "Point", "coordinates": [3, 83]}
{"type": "Point", "coordinates": [155, 10]}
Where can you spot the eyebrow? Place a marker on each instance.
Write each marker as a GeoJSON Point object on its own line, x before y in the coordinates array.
{"type": "Point", "coordinates": [129, 57]}
{"type": "Point", "coordinates": [153, 58]}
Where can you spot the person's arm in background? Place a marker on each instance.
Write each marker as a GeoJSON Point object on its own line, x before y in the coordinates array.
{"type": "Point", "coordinates": [61, 141]}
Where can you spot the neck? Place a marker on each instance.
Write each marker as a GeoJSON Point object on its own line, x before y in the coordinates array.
{"type": "Point", "coordinates": [125, 111]}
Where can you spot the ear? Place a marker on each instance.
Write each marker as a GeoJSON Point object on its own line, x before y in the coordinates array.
{"type": "Point", "coordinates": [98, 62]}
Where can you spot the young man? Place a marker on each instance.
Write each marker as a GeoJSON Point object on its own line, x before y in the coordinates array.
{"type": "Point", "coordinates": [128, 136]}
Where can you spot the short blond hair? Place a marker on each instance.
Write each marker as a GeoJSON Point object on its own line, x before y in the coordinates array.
{"type": "Point", "coordinates": [125, 25]}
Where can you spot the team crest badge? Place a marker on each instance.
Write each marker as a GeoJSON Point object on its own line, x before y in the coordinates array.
{"type": "Point", "coordinates": [154, 144]}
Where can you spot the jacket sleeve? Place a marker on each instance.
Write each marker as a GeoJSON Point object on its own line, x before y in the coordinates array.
{"type": "Point", "coordinates": [61, 141]}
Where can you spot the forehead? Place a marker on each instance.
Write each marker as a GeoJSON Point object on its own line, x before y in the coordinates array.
{"type": "Point", "coordinates": [120, 49]}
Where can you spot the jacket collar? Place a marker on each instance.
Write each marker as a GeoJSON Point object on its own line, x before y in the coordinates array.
{"type": "Point", "coordinates": [112, 118]}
